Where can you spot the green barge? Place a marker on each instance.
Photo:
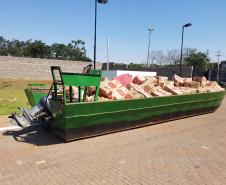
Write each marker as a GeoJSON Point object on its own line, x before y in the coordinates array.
{"type": "Point", "coordinates": [78, 119]}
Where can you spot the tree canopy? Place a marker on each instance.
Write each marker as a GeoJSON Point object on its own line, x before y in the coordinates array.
{"type": "Point", "coordinates": [198, 60]}
{"type": "Point", "coordinates": [75, 50]}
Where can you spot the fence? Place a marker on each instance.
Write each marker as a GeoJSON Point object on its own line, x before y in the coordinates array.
{"type": "Point", "coordinates": [217, 75]}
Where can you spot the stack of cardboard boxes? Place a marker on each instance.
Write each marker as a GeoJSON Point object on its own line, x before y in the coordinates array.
{"type": "Point", "coordinates": [147, 87]}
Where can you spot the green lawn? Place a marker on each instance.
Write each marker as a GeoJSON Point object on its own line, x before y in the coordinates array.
{"type": "Point", "coordinates": [12, 94]}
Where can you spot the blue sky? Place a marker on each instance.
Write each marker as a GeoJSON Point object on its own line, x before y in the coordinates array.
{"type": "Point", "coordinates": [125, 22]}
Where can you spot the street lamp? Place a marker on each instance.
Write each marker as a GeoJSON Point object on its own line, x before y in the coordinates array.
{"type": "Point", "coordinates": [150, 30]}
{"type": "Point", "coordinates": [95, 29]}
{"type": "Point", "coordinates": [181, 51]}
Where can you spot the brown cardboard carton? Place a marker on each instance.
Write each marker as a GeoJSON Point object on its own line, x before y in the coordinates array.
{"type": "Point", "coordinates": [188, 90]}
{"type": "Point", "coordinates": [138, 80]}
{"type": "Point", "coordinates": [139, 89]}
{"type": "Point", "coordinates": [133, 94]}
{"type": "Point", "coordinates": [89, 98]}
{"type": "Point", "coordinates": [170, 83]}
{"type": "Point", "coordinates": [120, 93]}
{"type": "Point", "coordinates": [178, 81]}
{"type": "Point", "coordinates": [103, 99]}
{"type": "Point", "coordinates": [192, 84]}
{"type": "Point", "coordinates": [106, 87]}
{"type": "Point", "coordinates": [113, 84]}
{"type": "Point", "coordinates": [165, 93]}
{"type": "Point", "coordinates": [187, 79]}
{"type": "Point", "coordinates": [148, 86]}
{"type": "Point", "coordinates": [74, 91]}
{"type": "Point", "coordinates": [173, 90]}
{"type": "Point", "coordinates": [152, 79]}
{"type": "Point", "coordinates": [91, 90]}
{"type": "Point", "coordinates": [162, 80]}
{"type": "Point", "coordinates": [157, 93]}
{"type": "Point", "coordinates": [200, 79]}
{"type": "Point", "coordinates": [105, 92]}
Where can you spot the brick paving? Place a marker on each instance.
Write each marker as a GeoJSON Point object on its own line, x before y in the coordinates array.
{"type": "Point", "coordinates": [188, 151]}
{"type": "Point", "coordinates": [5, 121]}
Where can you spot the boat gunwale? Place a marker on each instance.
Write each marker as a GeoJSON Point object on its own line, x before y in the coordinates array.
{"type": "Point", "coordinates": [149, 107]}
{"type": "Point", "coordinates": [134, 99]}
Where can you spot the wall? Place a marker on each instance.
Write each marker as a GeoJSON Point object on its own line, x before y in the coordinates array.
{"type": "Point", "coordinates": [161, 71]}
{"type": "Point", "coordinates": [30, 68]}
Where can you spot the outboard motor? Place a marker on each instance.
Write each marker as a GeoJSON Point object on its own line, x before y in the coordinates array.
{"type": "Point", "coordinates": [38, 114]}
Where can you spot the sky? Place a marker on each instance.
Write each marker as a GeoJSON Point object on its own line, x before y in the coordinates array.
{"type": "Point", "coordinates": [125, 22]}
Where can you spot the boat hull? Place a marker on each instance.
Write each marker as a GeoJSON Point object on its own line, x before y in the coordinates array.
{"type": "Point", "coordinates": [81, 120]}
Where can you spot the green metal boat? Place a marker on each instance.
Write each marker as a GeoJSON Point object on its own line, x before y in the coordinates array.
{"type": "Point", "coordinates": [72, 120]}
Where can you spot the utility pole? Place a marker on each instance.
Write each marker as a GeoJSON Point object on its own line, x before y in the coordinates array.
{"type": "Point", "coordinates": [149, 38]}
{"type": "Point", "coordinates": [107, 53]}
{"type": "Point", "coordinates": [218, 64]}
{"type": "Point", "coordinates": [207, 53]}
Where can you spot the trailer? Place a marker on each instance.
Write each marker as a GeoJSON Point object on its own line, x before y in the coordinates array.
{"type": "Point", "coordinates": [73, 119]}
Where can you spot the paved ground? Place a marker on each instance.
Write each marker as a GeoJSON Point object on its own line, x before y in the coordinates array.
{"type": "Point", "coordinates": [5, 121]}
{"type": "Point", "coordinates": [188, 151]}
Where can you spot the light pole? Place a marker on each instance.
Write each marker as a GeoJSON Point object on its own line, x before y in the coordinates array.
{"type": "Point", "coordinates": [150, 30]}
{"type": "Point", "coordinates": [95, 30]}
{"type": "Point", "coordinates": [218, 64]}
{"type": "Point", "coordinates": [182, 42]}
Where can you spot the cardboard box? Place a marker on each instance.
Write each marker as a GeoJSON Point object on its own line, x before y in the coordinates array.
{"type": "Point", "coordinates": [103, 99]}
{"type": "Point", "coordinates": [178, 81]}
{"type": "Point", "coordinates": [165, 93]}
{"type": "Point", "coordinates": [200, 79]}
{"type": "Point", "coordinates": [106, 87]}
{"type": "Point", "coordinates": [170, 83]}
{"type": "Point", "coordinates": [152, 80]}
{"type": "Point", "coordinates": [162, 80]}
{"type": "Point", "coordinates": [133, 94]}
{"type": "Point", "coordinates": [124, 79]}
{"type": "Point", "coordinates": [148, 86]}
{"type": "Point", "coordinates": [105, 92]}
{"type": "Point", "coordinates": [139, 89]}
{"type": "Point", "coordinates": [188, 90]}
{"type": "Point", "coordinates": [120, 93]}
{"type": "Point", "coordinates": [74, 91]}
{"type": "Point", "coordinates": [173, 90]}
{"type": "Point", "coordinates": [138, 80]}
{"type": "Point", "coordinates": [202, 90]}
{"type": "Point", "coordinates": [157, 93]}
{"type": "Point", "coordinates": [89, 98]}
{"type": "Point", "coordinates": [192, 84]}
{"type": "Point", "coordinates": [113, 84]}
{"type": "Point", "coordinates": [187, 79]}
{"type": "Point", "coordinates": [91, 90]}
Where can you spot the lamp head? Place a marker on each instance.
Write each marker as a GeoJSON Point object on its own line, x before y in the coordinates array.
{"type": "Point", "coordinates": [102, 1]}
{"type": "Point", "coordinates": [151, 29]}
{"type": "Point", "coordinates": [187, 25]}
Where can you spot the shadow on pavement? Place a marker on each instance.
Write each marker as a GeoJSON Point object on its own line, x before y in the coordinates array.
{"type": "Point", "coordinates": [35, 135]}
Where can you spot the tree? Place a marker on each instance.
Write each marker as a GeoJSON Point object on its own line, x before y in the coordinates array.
{"type": "Point", "coordinates": [198, 60]}
{"type": "Point", "coordinates": [157, 57]}
{"type": "Point", "coordinates": [3, 46]}
{"type": "Point", "coordinates": [38, 49]}
{"type": "Point", "coordinates": [172, 57]}
{"type": "Point", "coordinates": [75, 50]}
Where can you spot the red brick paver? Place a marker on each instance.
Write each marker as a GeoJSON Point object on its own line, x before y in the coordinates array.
{"type": "Point", "coordinates": [188, 151]}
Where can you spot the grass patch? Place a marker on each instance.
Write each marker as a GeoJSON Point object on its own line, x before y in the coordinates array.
{"type": "Point", "coordinates": [12, 94]}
